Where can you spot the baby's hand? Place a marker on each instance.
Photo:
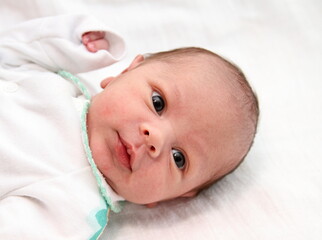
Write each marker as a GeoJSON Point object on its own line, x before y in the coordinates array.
{"type": "Point", "coordinates": [95, 41]}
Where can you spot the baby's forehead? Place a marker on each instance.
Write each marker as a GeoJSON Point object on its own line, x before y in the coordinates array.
{"type": "Point", "coordinates": [200, 70]}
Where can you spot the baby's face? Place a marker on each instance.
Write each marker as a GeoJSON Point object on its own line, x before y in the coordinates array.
{"type": "Point", "coordinates": [156, 132]}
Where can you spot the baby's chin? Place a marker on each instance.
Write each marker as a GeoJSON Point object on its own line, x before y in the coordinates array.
{"type": "Point", "coordinates": [136, 198]}
{"type": "Point", "coordinates": [141, 197]}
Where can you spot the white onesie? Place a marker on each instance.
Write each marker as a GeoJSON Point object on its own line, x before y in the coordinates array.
{"type": "Point", "coordinates": [48, 188]}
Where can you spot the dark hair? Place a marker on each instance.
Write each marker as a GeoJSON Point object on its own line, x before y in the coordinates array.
{"type": "Point", "coordinates": [236, 78]}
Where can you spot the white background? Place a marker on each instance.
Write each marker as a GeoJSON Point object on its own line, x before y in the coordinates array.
{"type": "Point", "coordinates": [277, 192]}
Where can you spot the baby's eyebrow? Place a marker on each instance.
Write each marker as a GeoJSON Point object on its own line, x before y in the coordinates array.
{"type": "Point", "coordinates": [177, 92]}
{"type": "Point", "coordinates": [175, 96]}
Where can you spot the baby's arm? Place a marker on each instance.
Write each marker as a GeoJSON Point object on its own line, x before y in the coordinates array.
{"type": "Point", "coordinates": [55, 43]}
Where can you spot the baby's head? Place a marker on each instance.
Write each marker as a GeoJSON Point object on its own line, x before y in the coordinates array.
{"type": "Point", "coordinates": [171, 124]}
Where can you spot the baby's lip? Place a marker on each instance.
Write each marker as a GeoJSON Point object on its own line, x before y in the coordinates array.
{"type": "Point", "coordinates": [124, 152]}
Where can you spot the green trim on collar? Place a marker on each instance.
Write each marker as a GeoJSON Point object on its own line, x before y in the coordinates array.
{"type": "Point", "coordinates": [115, 207]}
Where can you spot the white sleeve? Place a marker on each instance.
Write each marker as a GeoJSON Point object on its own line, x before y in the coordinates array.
{"type": "Point", "coordinates": [62, 207]}
{"type": "Point", "coordinates": [27, 218]}
{"type": "Point", "coordinates": [55, 43]}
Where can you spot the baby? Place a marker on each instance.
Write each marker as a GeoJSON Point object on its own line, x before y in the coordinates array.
{"type": "Point", "coordinates": [171, 124]}
{"type": "Point", "coordinates": [168, 126]}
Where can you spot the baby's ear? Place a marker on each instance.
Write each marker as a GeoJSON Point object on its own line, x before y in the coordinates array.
{"type": "Point", "coordinates": [151, 205]}
{"type": "Point", "coordinates": [190, 194]}
{"type": "Point", "coordinates": [137, 60]}
{"type": "Point", "coordinates": [106, 81]}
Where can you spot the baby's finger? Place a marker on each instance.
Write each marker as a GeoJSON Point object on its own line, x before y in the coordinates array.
{"type": "Point", "coordinates": [94, 46]}
{"type": "Point", "coordinates": [92, 36]}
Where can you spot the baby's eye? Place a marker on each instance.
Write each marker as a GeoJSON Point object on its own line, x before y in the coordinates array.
{"type": "Point", "coordinates": [179, 158]}
{"type": "Point", "coordinates": [158, 102]}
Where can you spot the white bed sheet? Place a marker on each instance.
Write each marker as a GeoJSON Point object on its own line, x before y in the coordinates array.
{"type": "Point", "coordinates": [277, 192]}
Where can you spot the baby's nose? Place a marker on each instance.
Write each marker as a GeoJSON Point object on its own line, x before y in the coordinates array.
{"type": "Point", "coordinates": [154, 139]}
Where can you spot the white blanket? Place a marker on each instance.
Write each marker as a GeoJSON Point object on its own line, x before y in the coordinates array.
{"type": "Point", "coordinates": [277, 192]}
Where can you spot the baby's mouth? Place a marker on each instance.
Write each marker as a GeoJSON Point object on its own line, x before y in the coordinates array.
{"type": "Point", "coordinates": [122, 149]}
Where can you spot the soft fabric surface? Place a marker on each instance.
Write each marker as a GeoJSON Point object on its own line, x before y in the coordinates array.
{"type": "Point", "coordinates": [277, 192]}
